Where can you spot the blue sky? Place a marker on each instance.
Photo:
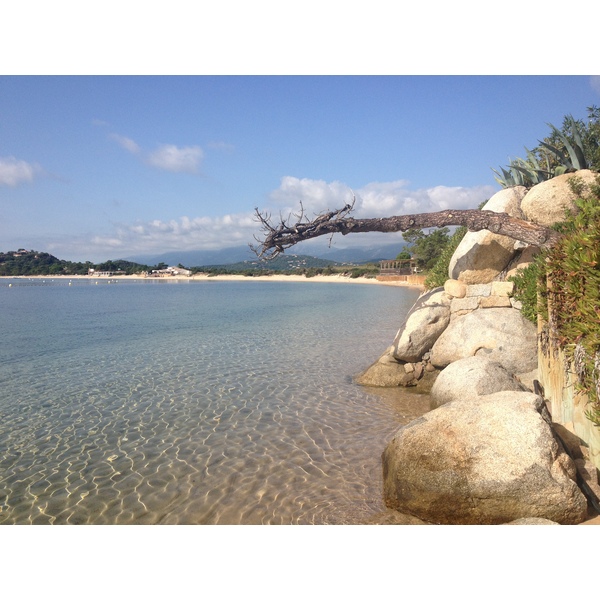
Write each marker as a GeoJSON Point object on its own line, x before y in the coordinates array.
{"type": "Point", "coordinates": [98, 167]}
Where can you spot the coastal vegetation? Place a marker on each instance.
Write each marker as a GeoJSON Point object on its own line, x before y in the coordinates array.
{"type": "Point", "coordinates": [426, 248]}
{"type": "Point", "coordinates": [438, 274]}
{"type": "Point", "coordinates": [562, 288]}
{"type": "Point", "coordinates": [368, 270]}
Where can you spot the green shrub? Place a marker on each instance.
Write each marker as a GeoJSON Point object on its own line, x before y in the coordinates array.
{"type": "Point", "coordinates": [572, 268]}
{"type": "Point", "coordinates": [530, 290]}
{"type": "Point", "coordinates": [438, 274]}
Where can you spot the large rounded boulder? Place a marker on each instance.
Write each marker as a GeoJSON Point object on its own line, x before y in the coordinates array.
{"type": "Point", "coordinates": [547, 202]}
{"type": "Point", "coordinates": [499, 334]}
{"type": "Point", "coordinates": [491, 460]}
{"type": "Point", "coordinates": [424, 323]}
{"type": "Point", "coordinates": [482, 255]}
{"type": "Point", "coordinates": [470, 378]}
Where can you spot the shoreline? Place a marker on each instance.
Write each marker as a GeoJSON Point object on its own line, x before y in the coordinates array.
{"type": "Point", "coordinates": [205, 277]}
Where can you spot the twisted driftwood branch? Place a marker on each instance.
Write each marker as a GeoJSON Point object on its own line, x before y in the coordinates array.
{"type": "Point", "coordinates": [277, 238]}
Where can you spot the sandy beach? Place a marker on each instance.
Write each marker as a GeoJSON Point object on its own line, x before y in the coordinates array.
{"type": "Point", "coordinates": [205, 277]}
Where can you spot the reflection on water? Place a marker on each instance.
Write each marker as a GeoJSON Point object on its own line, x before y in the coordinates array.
{"type": "Point", "coordinates": [220, 402]}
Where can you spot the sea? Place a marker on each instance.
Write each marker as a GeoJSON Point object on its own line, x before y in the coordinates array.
{"type": "Point", "coordinates": [195, 402]}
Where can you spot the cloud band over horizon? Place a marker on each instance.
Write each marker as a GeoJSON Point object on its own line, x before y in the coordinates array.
{"type": "Point", "coordinates": [376, 199]}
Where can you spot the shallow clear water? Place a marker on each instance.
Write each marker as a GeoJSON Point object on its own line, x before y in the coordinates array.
{"type": "Point", "coordinates": [194, 402]}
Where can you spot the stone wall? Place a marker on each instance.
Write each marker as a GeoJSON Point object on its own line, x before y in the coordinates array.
{"type": "Point", "coordinates": [467, 298]}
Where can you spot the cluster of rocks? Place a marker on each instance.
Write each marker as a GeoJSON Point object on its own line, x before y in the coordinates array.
{"type": "Point", "coordinates": [486, 452]}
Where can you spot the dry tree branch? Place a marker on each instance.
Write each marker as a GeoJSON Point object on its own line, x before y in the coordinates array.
{"type": "Point", "coordinates": [277, 238]}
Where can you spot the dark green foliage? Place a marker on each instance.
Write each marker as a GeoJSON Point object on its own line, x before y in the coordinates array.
{"type": "Point", "coordinates": [27, 263]}
{"type": "Point", "coordinates": [404, 255]}
{"type": "Point", "coordinates": [438, 274]}
{"type": "Point", "coordinates": [368, 271]}
{"type": "Point", "coordinates": [530, 290]}
{"type": "Point", "coordinates": [129, 268]}
{"type": "Point", "coordinates": [286, 262]}
{"type": "Point", "coordinates": [426, 248]}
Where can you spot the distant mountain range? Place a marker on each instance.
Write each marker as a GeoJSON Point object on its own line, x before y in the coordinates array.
{"type": "Point", "coordinates": [238, 254]}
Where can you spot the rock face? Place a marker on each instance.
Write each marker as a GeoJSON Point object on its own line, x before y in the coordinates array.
{"type": "Point", "coordinates": [546, 202]}
{"type": "Point", "coordinates": [482, 255]}
{"type": "Point", "coordinates": [490, 460]}
{"type": "Point", "coordinates": [500, 334]}
{"type": "Point", "coordinates": [424, 323]}
{"type": "Point", "coordinates": [507, 200]}
{"type": "Point", "coordinates": [455, 288]}
{"type": "Point", "coordinates": [470, 378]}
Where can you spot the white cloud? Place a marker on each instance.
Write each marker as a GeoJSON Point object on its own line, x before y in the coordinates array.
{"type": "Point", "coordinates": [185, 233]}
{"type": "Point", "coordinates": [167, 157]}
{"type": "Point", "coordinates": [178, 160]}
{"type": "Point", "coordinates": [314, 194]}
{"type": "Point", "coordinates": [377, 199]}
{"type": "Point", "coordinates": [13, 171]}
{"type": "Point", "coordinates": [126, 143]}
{"type": "Point", "coordinates": [595, 83]}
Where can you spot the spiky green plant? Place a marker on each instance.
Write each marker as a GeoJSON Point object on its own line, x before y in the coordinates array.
{"type": "Point", "coordinates": [526, 172]}
{"type": "Point", "coordinates": [574, 148]}
{"type": "Point", "coordinates": [572, 155]}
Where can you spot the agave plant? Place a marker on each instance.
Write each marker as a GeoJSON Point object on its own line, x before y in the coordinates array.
{"type": "Point", "coordinates": [526, 172]}
{"type": "Point", "coordinates": [569, 156]}
{"type": "Point", "coordinates": [508, 179]}
{"type": "Point", "coordinates": [572, 156]}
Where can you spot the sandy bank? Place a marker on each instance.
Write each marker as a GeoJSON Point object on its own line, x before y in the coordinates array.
{"type": "Point", "coordinates": [300, 278]}
{"type": "Point", "coordinates": [204, 277]}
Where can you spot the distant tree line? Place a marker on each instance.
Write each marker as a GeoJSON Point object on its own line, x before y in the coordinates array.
{"type": "Point", "coordinates": [19, 263]}
{"type": "Point", "coordinates": [29, 262]}
{"type": "Point", "coordinates": [369, 270]}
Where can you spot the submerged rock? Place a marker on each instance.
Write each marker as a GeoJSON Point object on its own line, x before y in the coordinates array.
{"type": "Point", "coordinates": [489, 460]}
{"type": "Point", "coordinates": [393, 517]}
{"type": "Point", "coordinates": [532, 521]}
{"type": "Point", "coordinates": [386, 372]}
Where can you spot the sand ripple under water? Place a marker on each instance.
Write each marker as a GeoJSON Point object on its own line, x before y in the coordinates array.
{"type": "Point", "coordinates": [209, 403]}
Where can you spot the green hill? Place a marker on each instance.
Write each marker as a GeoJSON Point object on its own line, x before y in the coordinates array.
{"type": "Point", "coordinates": [22, 262]}
{"type": "Point", "coordinates": [286, 262]}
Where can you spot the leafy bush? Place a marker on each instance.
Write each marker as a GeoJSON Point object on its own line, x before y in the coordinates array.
{"type": "Point", "coordinates": [426, 247]}
{"type": "Point", "coordinates": [438, 274]}
{"type": "Point", "coordinates": [530, 290]}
